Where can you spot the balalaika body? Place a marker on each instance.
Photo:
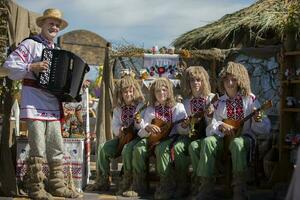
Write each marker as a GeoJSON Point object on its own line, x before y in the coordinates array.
{"type": "Point", "coordinates": [65, 74]}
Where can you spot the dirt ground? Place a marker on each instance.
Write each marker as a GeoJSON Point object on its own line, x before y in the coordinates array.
{"type": "Point", "coordinates": [276, 192]}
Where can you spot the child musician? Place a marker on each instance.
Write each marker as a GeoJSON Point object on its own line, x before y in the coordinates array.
{"type": "Point", "coordinates": [170, 150]}
{"type": "Point", "coordinates": [128, 100]}
{"type": "Point", "coordinates": [236, 103]}
{"type": "Point", "coordinates": [197, 101]}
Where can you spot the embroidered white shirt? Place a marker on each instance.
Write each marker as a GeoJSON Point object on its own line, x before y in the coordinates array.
{"type": "Point", "coordinates": [35, 103]}
{"type": "Point", "coordinates": [117, 122]}
{"type": "Point", "coordinates": [178, 113]}
{"type": "Point", "coordinates": [250, 126]}
{"type": "Point", "coordinates": [187, 105]}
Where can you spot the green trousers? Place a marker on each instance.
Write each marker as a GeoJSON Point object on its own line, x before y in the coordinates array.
{"type": "Point", "coordinates": [213, 145]}
{"type": "Point", "coordinates": [108, 151]}
{"type": "Point", "coordinates": [194, 152]}
{"type": "Point", "coordinates": [163, 156]}
{"type": "Point", "coordinates": [140, 156]}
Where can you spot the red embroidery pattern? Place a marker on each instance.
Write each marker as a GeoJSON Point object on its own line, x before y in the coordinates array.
{"type": "Point", "coordinates": [46, 115]}
{"type": "Point", "coordinates": [164, 113]}
{"type": "Point", "coordinates": [127, 114]}
{"type": "Point", "coordinates": [197, 104]}
{"type": "Point", "coordinates": [234, 108]}
{"type": "Point", "coordinates": [23, 53]}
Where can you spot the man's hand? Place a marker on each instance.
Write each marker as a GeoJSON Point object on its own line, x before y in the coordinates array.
{"type": "Point", "coordinates": [39, 66]}
{"type": "Point", "coordinates": [227, 129]}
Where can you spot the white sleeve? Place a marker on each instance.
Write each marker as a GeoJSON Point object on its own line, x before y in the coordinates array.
{"type": "Point", "coordinates": [19, 60]}
{"type": "Point", "coordinates": [213, 127]}
{"type": "Point", "coordinates": [116, 121]}
{"type": "Point", "coordinates": [148, 116]}
{"type": "Point", "coordinates": [180, 113]}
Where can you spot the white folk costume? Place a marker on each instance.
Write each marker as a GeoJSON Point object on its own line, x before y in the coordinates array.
{"type": "Point", "coordinates": [171, 151]}
{"type": "Point", "coordinates": [36, 104]}
{"type": "Point", "coordinates": [122, 116]}
{"type": "Point", "coordinates": [235, 108]}
{"type": "Point", "coordinates": [195, 105]}
{"type": "Point", "coordinates": [192, 106]}
{"type": "Point", "coordinates": [42, 112]}
{"type": "Point", "coordinates": [167, 114]}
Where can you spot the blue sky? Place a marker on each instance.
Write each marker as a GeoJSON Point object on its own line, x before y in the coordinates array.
{"type": "Point", "coordinates": [144, 23]}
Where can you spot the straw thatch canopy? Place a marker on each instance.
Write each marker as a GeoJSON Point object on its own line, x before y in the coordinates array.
{"type": "Point", "coordinates": [86, 44]}
{"type": "Point", "coordinates": [256, 25]}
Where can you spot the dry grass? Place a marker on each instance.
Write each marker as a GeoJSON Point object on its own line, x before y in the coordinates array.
{"type": "Point", "coordinates": [258, 23]}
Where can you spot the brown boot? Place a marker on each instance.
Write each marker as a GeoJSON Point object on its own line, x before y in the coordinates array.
{"type": "Point", "coordinates": [36, 189]}
{"type": "Point", "coordinates": [164, 190]}
{"type": "Point", "coordinates": [239, 186]}
{"type": "Point", "coordinates": [206, 188]}
{"type": "Point", "coordinates": [125, 183]}
{"type": "Point", "coordinates": [195, 184]}
{"type": "Point", "coordinates": [182, 188]}
{"type": "Point", "coordinates": [57, 185]}
{"type": "Point", "coordinates": [102, 184]}
{"type": "Point", "coordinates": [138, 187]}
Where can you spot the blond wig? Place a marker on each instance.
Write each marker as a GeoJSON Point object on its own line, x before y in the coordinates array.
{"type": "Point", "coordinates": [239, 72]}
{"type": "Point", "coordinates": [158, 84]}
{"type": "Point", "coordinates": [196, 72]}
{"type": "Point", "coordinates": [124, 83]}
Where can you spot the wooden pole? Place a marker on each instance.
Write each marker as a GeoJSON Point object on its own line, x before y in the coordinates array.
{"type": "Point", "coordinates": [213, 80]}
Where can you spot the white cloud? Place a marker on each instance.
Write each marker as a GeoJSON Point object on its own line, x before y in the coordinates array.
{"type": "Point", "coordinates": [139, 21]}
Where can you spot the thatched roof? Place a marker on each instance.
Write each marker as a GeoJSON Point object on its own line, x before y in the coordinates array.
{"type": "Point", "coordinates": [86, 44]}
{"type": "Point", "coordinates": [258, 24]}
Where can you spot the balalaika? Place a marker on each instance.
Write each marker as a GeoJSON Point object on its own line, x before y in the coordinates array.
{"type": "Point", "coordinates": [65, 74]}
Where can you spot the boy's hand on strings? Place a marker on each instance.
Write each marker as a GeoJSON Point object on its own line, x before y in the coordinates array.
{"type": "Point", "coordinates": [227, 129]}
{"type": "Point", "coordinates": [185, 123]}
{"type": "Point", "coordinates": [210, 111]}
{"type": "Point", "coordinates": [122, 131]}
{"type": "Point", "coordinates": [137, 117]}
{"type": "Point", "coordinates": [153, 129]}
{"type": "Point", "coordinates": [257, 116]}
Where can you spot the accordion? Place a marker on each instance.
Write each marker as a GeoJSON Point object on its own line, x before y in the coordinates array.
{"type": "Point", "coordinates": [65, 74]}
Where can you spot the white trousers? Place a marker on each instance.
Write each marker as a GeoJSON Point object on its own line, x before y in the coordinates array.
{"type": "Point", "coordinates": [45, 139]}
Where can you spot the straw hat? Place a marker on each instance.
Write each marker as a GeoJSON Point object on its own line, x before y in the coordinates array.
{"type": "Point", "coordinates": [54, 14]}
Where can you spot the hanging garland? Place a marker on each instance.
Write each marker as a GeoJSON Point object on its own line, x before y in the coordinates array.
{"type": "Point", "coordinates": [208, 54]}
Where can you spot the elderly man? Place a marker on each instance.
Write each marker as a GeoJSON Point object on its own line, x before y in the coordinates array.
{"type": "Point", "coordinates": [40, 109]}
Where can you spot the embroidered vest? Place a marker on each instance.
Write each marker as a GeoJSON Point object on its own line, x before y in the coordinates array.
{"type": "Point", "coordinates": [197, 104]}
{"type": "Point", "coordinates": [127, 114]}
{"type": "Point", "coordinates": [235, 108]}
{"type": "Point", "coordinates": [164, 113]}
